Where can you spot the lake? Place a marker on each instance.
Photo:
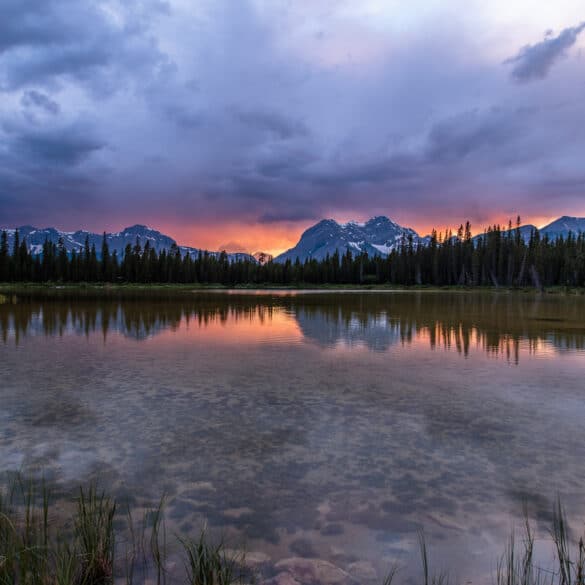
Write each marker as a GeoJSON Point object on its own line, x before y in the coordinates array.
{"type": "Point", "coordinates": [308, 424]}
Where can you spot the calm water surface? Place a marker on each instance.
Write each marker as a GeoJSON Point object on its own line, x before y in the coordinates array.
{"type": "Point", "coordinates": [327, 425]}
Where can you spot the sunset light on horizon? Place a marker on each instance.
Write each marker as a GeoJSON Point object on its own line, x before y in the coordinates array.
{"type": "Point", "coordinates": [238, 124]}
{"type": "Point", "coordinates": [292, 292]}
{"type": "Point", "coordinates": [274, 239]}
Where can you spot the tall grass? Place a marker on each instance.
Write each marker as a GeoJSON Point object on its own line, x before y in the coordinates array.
{"type": "Point", "coordinates": [517, 566]}
{"type": "Point", "coordinates": [441, 578]}
{"type": "Point", "coordinates": [85, 549]}
{"type": "Point", "coordinates": [95, 538]}
{"type": "Point", "coordinates": [24, 534]}
{"type": "Point", "coordinates": [145, 546]}
{"type": "Point", "coordinates": [40, 547]}
{"type": "Point", "coordinates": [208, 564]}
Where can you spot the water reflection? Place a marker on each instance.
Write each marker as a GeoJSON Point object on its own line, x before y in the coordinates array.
{"type": "Point", "coordinates": [500, 325]}
{"type": "Point", "coordinates": [327, 425]}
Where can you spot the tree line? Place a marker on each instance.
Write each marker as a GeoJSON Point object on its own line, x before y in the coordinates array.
{"type": "Point", "coordinates": [498, 257]}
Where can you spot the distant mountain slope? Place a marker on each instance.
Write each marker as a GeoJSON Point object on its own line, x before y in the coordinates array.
{"type": "Point", "coordinates": [35, 238]}
{"type": "Point", "coordinates": [525, 232]}
{"type": "Point", "coordinates": [380, 235]}
{"type": "Point", "coordinates": [377, 236]}
{"type": "Point", "coordinates": [563, 226]}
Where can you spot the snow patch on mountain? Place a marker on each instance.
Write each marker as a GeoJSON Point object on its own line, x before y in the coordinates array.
{"type": "Point", "coordinates": [117, 241]}
{"type": "Point", "coordinates": [563, 226]}
{"type": "Point", "coordinates": [383, 249]}
{"type": "Point", "coordinates": [377, 236]}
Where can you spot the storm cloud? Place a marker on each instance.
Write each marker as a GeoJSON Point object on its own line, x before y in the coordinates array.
{"type": "Point", "coordinates": [535, 61]}
{"type": "Point", "coordinates": [33, 98]}
{"type": "Point", "coordinates": [277, 114]}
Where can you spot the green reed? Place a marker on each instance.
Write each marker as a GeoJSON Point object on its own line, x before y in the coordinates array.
{"type": "Point", "coordinates": [40, 545]}
{"type": "Point", "coordinates": [208, 564]}
{"type": "Point", "coordinates": [37, 547]}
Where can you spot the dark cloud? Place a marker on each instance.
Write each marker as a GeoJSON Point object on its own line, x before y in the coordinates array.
{"type": "Point", "coordinates": [535, 61]}
{"type": "Point", "coordinates": [285, 162]}
{"type": "Point", "coordinates": [272, 122]}
{"type": "Point", "coordinates": [242, 112]}
{"type": "Point", "coordinates": [30, 145]}
{"type": "Point", "coordinates": [47, 196]}
{"type": "Point", "coordinates": [46, 43]}
{"type": "Point", "coordinates": [33, 98]}
{"type": "Point", "coordinates": [46, 170]}
{"type": "Point", "coordinates": [59, 147]}
{"type": "Point", "coordinates": [489, 133]}
{"type": "Point", "coordinates": [376, 168]}
{"type": "Point", "coordinates": [32, 23]}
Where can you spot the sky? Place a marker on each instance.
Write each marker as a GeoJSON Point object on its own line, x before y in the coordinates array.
{"type": "Point", "coordinates": [237, 124]}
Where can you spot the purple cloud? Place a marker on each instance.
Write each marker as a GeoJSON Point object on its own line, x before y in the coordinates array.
{"type": "Point", "coordinates": [224, 111]}
{"type": "Point", "coordinates": [535, 61]}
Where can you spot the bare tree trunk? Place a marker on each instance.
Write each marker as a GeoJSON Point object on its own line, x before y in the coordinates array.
{"type": "Point", "coordinates": [462, 276]}
{"type": "Point", "coordinates": [536, 278]}
{"type": "Point", "coordinates": [522, 268]}
{"type": "Point", "coordinates": [494, 279]}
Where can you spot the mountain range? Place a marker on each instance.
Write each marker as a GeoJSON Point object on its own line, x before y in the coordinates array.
{"type": "Point", "coordinates": [380, 235]}
{"type": "Point", "coordinates": [377, 236]}
{"type": "Point", "coordinates": [117, 242]}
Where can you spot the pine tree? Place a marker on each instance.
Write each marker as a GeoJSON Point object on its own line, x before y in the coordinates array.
{"type": "Point", "coordinates": [106, 265]}
{"type": "Point", "coordinates": [4, 257]}
{"type": "Point", "coordinates": [86, 260]}
{"type": "Point", "coordinates": [63, 272]}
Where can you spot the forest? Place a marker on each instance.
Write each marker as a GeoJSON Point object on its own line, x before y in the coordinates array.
{"type": "Point", "coordinates": [500, 257]}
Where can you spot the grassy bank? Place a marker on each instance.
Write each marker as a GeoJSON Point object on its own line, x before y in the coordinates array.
{"type": "Point", "coordinates": [154, 287]}
{"type": "Point", "coordinates": [87, 545]}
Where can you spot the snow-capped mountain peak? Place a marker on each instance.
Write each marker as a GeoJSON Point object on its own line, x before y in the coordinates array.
{"type": "Point", "coordinates": [117, 241]}
{"type": "Point", "coordinates": [376, 236]}
{"type": "Point", "coordinates": [563, 226]}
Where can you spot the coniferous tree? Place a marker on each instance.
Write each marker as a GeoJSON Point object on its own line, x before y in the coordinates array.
{"type": "Point", "coordinates": [4, 257]}
{"type": "Point", "coordinates": [495, 258]}
{"type": "Point", "coordinates": [106, 273]}
{"type": "Point", "coordinates": [64, 273]}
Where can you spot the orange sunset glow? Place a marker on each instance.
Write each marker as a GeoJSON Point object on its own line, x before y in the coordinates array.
{"type": "Point", "coordinates": [297, 286]}
{"type": "Point", "coordinates": [241, 133]}
{"type": "Point", "coordinates": [278, 237]}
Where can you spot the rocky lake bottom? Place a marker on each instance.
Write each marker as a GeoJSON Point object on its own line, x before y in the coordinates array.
{"type": "Point", "coordinates": [320, 433]}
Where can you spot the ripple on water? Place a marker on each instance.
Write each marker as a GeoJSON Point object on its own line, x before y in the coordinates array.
{"type": "Point", "coordinates": [318, 427]}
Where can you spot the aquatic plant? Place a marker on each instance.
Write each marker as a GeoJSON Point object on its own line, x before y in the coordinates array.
{"type": "Point", "coordinates": [208, 564]}
{"type": "Point", "coordinates": [86, 544]}
{"type": "Point", "coordinates": [41, 546]}
{"type": "Point", "coordinates": [94, 531]}
{"type": "Point", "coordinates": [517, 566]}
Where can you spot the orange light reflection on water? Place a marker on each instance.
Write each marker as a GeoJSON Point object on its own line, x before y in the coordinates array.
{"type": "Point", "coordinates": [260, 325]}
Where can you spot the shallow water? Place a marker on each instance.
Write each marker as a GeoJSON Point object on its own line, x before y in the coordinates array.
{"type": "Point", "coordinates": [327, 425]}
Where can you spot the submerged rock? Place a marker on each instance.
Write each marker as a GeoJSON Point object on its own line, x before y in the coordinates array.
{"type": "Point", "coordinates": [363, 571]}
{"type": "Point", "coordinates": [283, 578]}
{"type": "Point", "coordinates": [314, 571]}
{"type": "Point", "coordinates": [252, 560]}
{"type": "Point", "coordinates": [255, 559]}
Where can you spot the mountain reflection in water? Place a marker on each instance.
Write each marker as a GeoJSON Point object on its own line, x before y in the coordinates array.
{"type": "Point", "coordinates": [330, 425]}
{"type": "Point", "coordinates": [498, 324]}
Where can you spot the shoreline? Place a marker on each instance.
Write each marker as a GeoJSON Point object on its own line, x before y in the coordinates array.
{"type": "Point", "coordinates": [306, 289]}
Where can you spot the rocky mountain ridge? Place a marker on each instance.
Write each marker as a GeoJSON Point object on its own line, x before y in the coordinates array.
{"type": "Point", "coordinates": [117, 241]}
{"type": "Point", "coordinates": [377, 236]}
